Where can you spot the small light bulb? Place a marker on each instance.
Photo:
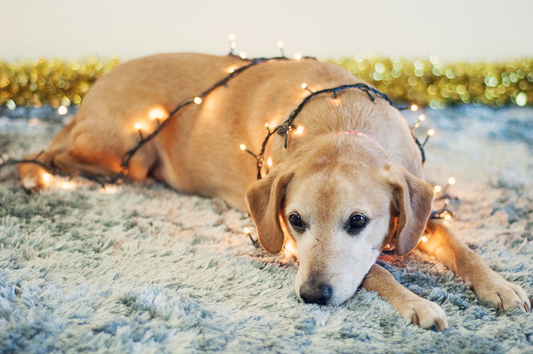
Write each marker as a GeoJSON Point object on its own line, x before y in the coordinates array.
{"type": "Point", "coordinates": [304, 86]}
{"type": "Point", "coordinates": [46, 177]}
{"type": "Point", "coordinates": [431, 132]}
{"type": "Point", "coordinates": [267, 126]}
{"type": "Point", "coordinates": [231, 37]}
{"type": "Point", "coordinates": [231, 69]}
{"type": "Point", "coordinates": [414, 107]}
{"type": "Point", "coordinates": [62, 110]}
{"type": "Point", "coordinates": [280, 44]}
{"type": "Point", "coordinates": [437, 188]}
{"type": "Point", "coordinates": [447, 217]}
{"type": "Point", "coordinates": [232, 45]}
{"type": "Point", "coordinates": [451, 181]}
{"type": "Point", "coordinates": [157, 113]}
{"type": "Point", "coordinates": [422, 117]}
{"type": "Point", "coordinates": [299, 130]}
{"type": "Point", "coordinates": [243, 147]}
{"type": "Point", "coordinates": [247, 230]}
{"type": "Point", "coordinates": [297, 56]}
{"type": "Point", "coordinates": [424, 239]}
{"type": "Point", "coordinates": [66, 185]}
{"type": "Point", "coordinates": [137, 125]}
{"type": "Point", "coordinates": [197, 100]}
{"type": "Point", "coordinates": [243, 55]}
{"type": "Point", "coordinates": [269, 162]}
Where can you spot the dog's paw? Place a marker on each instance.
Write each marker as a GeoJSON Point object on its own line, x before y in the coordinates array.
{"type": "Point", "coordinates": [423, 313]}
{"type": "Point", "coordinates": [501, 293]}
{"type": "Point", "coordinates": [33, 176]}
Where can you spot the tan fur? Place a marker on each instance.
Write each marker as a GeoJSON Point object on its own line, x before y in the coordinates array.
{"type": "Point", "coordinates": [323, 176]}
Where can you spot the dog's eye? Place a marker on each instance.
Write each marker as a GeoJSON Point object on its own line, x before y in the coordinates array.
{"type": "Point", "coordinates": [296, 221]}
{"type": "Point", "coordinates": [357, 222]}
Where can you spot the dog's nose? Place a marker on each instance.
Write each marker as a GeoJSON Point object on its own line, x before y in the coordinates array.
{"type": "Point", "coordinates": [313, 294]}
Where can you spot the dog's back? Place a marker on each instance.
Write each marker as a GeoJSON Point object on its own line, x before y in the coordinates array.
{"type": "Point", "coordinates": [198, 152]}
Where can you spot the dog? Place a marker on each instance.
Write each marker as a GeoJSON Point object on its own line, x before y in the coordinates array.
{"type": "Point", "coordinates": [345, 184]}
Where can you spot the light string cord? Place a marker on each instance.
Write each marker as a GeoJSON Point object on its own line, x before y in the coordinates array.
{"type": "Point", "coordinates": [126, 158]}
{"type": "Point", "coordinates": [283, 129]}
{"type": "Point", "coordinates": [286, 127]}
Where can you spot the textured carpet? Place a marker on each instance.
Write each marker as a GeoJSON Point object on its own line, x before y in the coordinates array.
{"type": "Point", "coordinates": [143, 268]}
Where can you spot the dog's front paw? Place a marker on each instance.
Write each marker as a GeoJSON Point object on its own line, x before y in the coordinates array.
{"type": "Point", "coordinates": [423, 313]}
{"type": "Point", "coordinates": [503, 294]}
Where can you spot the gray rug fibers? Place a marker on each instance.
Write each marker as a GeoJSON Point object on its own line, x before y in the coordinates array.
{"type": "Point", "coordinates": [145, 269]}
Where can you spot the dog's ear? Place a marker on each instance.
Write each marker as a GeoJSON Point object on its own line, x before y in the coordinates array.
{"type": "Point", "coordinates": [264, 199]}
{"type": "Point", "coordinates": [413, 198]}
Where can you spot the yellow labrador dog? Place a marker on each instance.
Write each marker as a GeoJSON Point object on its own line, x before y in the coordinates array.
{"type": "Point", "coordinates": [349, 181]}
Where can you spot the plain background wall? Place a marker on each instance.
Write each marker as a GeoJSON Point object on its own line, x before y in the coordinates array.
{"type": "Point", "coordinates": [452, 29]}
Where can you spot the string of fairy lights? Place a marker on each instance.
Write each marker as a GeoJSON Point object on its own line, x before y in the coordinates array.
{"type": "Point", "coordinates": [284, 129]}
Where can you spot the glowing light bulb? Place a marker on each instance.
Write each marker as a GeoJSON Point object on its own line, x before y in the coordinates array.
{"type": "Point", "coordinates": [247, 231]}
{"type": "Point", "coordinates": [414, 107]}
{"type": "Point", "coordinates": [437, 188]}
{"type": "Point", "coordinates": [243, 55]}
{"type": "Point", "coordinates": [231, 69]}
{"type": "Point", "coordinates": [422, 117]}
{"type": "Point", "coordinates": [297, 56]}
{"type": "Point", "coordinates": [46, 177]}
{"type": "Point", "coordinates": [451, 181]}
{"type": "Point", "coordinates": [138, 126]}
{"type": "Point", "coordinates": [243, 147]}
{"type": "Point", "coordinates": [424, 239]}
{"type": "Point", "coordinates": [197, 100]}
{"type": "Point", "coordinates": [269, 162]}
{"type": "Point", "coordinates": [232, 45]}
{"type": "Point", "coordinates": [299, 130]}
{"type": "Point", "coordinates": [267, 126]}
{"type": "Point", "coordinates": [108, 189]}
{"type": "Point", "coordinates": [304, 86]}
{"type": "Point", "coordinates": [447, 217]}
{"type": "Point", "coordinates": [231, 37]}
{"type": "Point", "coordinates": [62, 110]}
{"type": "Point", "coordinates": [157, 113]}
{"type": "Point", "coordinates": [280, 44]}
{"type": "Point", "coordinates": [431, 132]}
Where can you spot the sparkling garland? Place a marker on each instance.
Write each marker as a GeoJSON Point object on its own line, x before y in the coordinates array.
{"type": "Point", "coordinates": [431, 82]}
{"type": "Point", "coordinates": [50, 82]}
{"type": "Point", "coordinates": [424, 82]}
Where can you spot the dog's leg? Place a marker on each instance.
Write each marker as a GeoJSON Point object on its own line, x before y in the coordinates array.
{"type": "Point", "coordinates": [410, 306]}
{"type": "Point", "coordinates": [485, 283]}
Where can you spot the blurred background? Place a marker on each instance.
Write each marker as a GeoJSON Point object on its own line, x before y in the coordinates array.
{"type": "Point", "coordinates": [427, 53]}
{"type": "Point", "coordinates": [453, 30]}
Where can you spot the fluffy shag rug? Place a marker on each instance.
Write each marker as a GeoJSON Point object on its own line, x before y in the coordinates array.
{"type": "Point", "coordinates": [143, 268]}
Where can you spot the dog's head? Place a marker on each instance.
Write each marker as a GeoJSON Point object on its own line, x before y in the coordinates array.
{"type": "Point", "coordinates": [340, 208]}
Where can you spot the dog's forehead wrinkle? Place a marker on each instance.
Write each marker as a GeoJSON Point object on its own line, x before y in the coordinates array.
{"type": "Point", "coordinates": [336, 194]}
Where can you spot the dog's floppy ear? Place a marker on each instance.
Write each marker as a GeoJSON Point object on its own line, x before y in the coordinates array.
{"type": "Point", "coordinates": [264, 199]}
{"type": "Point", "coordinates": [413, 198]}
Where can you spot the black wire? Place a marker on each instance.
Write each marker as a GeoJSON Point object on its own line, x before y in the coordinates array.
{"type": "Point", "coordinates": [286, 127]}
{"type": "Point", "coordinates": [283, 129]}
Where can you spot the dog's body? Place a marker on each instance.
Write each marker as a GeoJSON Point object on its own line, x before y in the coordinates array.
{"type": "Point", "coordinates": [340, 190]}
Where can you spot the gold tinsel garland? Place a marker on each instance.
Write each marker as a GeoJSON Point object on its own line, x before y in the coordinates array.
{"type": "Point", "coordinates": [50, 82]}
{"type": "Point", "coordinates": [424, 82]}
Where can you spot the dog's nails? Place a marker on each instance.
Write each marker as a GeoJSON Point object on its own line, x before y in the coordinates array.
{"type": "Point", "coordinates": [526, 305]}
{"type": "Point", "coordinates": [500, 306]}
{"type": "Point", "coordinates": [440, 324]}
{"type": "Point", "coordinates": [416, 320]}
